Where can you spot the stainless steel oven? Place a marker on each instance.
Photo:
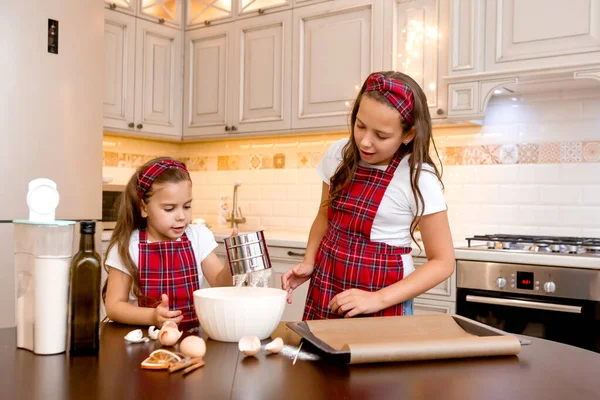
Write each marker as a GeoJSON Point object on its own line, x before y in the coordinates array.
{"type": "Point", "coordinates": [550, 302]}
{"type": "Point", "coordinates": [110, 197]}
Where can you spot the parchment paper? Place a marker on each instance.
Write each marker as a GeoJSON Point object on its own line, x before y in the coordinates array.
{"type": "Point", "coordinates": [408, 338]}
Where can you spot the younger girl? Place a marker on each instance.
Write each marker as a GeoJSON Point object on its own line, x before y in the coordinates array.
{"type": "Point", "coordinates": [156, 260]}
{"type": "Point", "coordinates": [378, 186]}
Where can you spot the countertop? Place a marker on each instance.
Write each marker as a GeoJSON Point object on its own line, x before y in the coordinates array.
{"type": "Point", "coordinates": [543, 370]}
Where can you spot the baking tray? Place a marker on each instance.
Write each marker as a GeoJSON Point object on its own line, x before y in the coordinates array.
{"type": "Point", "coordinates": [343, 356]}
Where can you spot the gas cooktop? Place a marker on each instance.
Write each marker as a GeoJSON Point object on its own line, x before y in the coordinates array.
{"type": "Point", "coordinates": [537, 244]}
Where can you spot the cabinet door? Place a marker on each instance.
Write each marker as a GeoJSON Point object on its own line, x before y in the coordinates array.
{"type": "Point", "coordinates": [294, 311]}
{"type": "Point", "coordinates": [336, 45]}
{"type": "Point", "coordinates": [207, 80]}
{"type": "Point", "coordinates": [203, 12]}
{"type": "Point", "coordinates": [466, 37]}
{"type": "Point", "coordinates": [445, 291]}
{"type": "Point", "coordinates": [427, 307]}
{"type": "Point", "coordinates": [158, 79]}
{"type": "Point", "coordinates": [250, 7]}
{"type": "Point", "coordinates": [127, 6]}
{"type": "Point", "coordinates": [167, 12]}
{"type": "Point", "coordinates": [421, 48]}
{"type": "Point", "coordinates": [119, 69]}
{"type": "Point", "coordinates": [533, 35]}
{"type": "Point", "coordinates": [262, 71]}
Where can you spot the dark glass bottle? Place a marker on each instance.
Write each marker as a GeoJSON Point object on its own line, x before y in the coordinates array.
{"type": "Point", "coordinates": [84, 295]}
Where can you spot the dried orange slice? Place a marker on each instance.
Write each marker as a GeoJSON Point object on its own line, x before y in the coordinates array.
{"type": "Point", "coordinates": [160, 359]}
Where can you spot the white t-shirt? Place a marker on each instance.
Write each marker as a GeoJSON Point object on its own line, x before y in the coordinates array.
{"type": "Point", "coordinates": [203, 243]}
{"type": "Point", "coordinates": [397, 209]}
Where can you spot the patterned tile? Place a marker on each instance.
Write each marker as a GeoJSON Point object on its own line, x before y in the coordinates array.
{"type": "Point", "coordinates": [303, 160]}
{"type": "Point", "coordinates": [228, 163]}
{"type": "Point", "coordinates": [591, 152]}
{"type": "Point", "coordinates": [528, 153]}
{"type": "Point", "coordinates": [478, 156]}
{"type": "Point", "coordinates": [549, 153]}
{"type": "Point", "coordinates": [267, 161]}
{"type": "Point", "coordinates": [492, 154]}
{"type": "Point", "coordinates": [509, 154]}
{"type": "Point", "coordinates": [570, 152]}
{"type": "Point", "coordinates": [279, 161]}
{"type": "Point", "coordinates": [110, 159]}
{"type": "Point", "coordinates": [195, 163]}
{"type": "Point", "coordinates": [453, 155]}
{"type": "Point", "coordinates": [315, 159]}
{"type": "Point", "coordinates": [255, 161]}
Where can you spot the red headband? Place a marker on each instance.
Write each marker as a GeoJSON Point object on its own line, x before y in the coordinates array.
{"type": "Point", "coordinates": [147, 177]}
{"type": "Point", "coordinates": [396, 91]}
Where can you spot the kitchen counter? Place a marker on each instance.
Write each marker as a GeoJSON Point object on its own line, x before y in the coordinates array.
{"type": "Point", "coordinates": [543, 370]}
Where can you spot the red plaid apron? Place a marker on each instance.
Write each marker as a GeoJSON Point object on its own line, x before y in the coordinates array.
{"type": "Point", "coordinates": [347, 258]}
{"type": "Point", "coordinates": [169, 267]}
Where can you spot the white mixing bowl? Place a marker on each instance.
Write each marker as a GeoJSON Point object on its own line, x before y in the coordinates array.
{"type": "Point", "coordinates": [228, 313]}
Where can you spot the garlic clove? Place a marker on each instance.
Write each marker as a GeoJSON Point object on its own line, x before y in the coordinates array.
{"type": "Point", "coordinates": [193, 347]}
{"type": "Point", "coordinates": [249, 345]}
{"type": "Point", "coordinates": [153, 332]}
{"type": "Point", "coordinates": [275, 346]}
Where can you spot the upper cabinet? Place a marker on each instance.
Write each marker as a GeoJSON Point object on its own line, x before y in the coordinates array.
{"type": "Point", "coordinates": [209, 12]}
{"type": "Point", "coordinates": [237, 77]}
{"type": "Point", "coordinates": [536, 34]}
{"type": "Point", "coordinates": [143, 78]}
{"type": "Point", "coordinates": [506, 43]}
{"type": "Point", "coordinates": [336, 46]}
{"type": "Point", "coordinates": [168, 12]}
{"type": "Point", "coordinates": [420, 48]}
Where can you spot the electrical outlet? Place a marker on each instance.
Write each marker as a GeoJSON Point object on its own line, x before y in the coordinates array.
{"type": "Point", "coordinates": [52, 36]}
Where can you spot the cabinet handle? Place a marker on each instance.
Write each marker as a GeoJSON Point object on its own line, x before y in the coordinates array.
{"type": "Point", "coordinates": [112, 6]}
{"type": "Point", "coordinates": [233, 128]}
{"type": "Point", "coordinates": [294, 254]}
{"type": "Point", "coordinates": [261, 11]}
{"type": "Point", "coordinates": [227, 128]}
{"type": "Point", "coordinates": [140, 126]}
{"type": "Point", "coordinates": [207, 22]}
{"type": "Point", "coordinates": [440, 111]}
{"type": "Point", "coordinates": [131, 125]}
{"type": "Point", "coordinates": [161, 21]}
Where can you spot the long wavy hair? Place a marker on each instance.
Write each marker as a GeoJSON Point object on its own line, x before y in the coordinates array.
{"type": "Point", "coordinates": [418, 148]}
{"type": "Point", "coordinates": [129, 218]}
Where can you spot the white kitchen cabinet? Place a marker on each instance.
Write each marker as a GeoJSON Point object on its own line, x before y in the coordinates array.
{"type": "Point", "coordinates": [467, 34]}
{"type": "Point", "coordinates": [168, 12]}
{"type": "Point", "coordinates": [204, 12]}
{"type": "Point", "coordinates": [237, 77]}
{"type": "Point", "coordinates": [534, 34]}
{"type": "Point", "coordinates": [208, 54]}
{"type": "Point", "coordinates": [119, 70]}
{"type": "Point", "coordinates": [143, 80]}
{"type": "Point", "coordinates": [428, 307]}
{"type": "Point", "coordinates": [159, 79]}
{"type": "Point", "coordinates": [336, 45]}
{"type": "Point", "coordinates": [445, 291]}
{"type": "Point", "coordinates": [258, 7]}
{"type": "Point", "coordinates": [420, 29]}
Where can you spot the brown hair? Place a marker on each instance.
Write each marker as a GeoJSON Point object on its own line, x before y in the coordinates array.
{"type": "Point", "coordinates": [418, 147]}
{"type": "Point", "coordinates": [129, 218]}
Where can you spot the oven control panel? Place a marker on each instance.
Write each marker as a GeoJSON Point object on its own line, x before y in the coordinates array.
{"type": "Point", "coordinates": [532, 279]}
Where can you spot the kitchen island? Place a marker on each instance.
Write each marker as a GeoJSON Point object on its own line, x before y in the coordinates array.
{"type": "Point", "coordinates": [543, 370]}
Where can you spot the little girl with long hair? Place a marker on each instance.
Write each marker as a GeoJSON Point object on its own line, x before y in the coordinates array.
{"type": "Point", "coordinates": [378, 187]}
{"type": "Point", "coordinates": [155, 258]}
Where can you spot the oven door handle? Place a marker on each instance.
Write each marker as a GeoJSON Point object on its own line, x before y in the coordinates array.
{"type": "Point", "coordinates": [524, 304]}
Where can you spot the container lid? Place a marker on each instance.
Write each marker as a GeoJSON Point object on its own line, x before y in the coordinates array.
{"type": "Point", "coordinates": [88, 227]}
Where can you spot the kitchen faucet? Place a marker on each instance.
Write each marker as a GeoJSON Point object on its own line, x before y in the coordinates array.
{"type": "Point", "coordinates": [236, 212]}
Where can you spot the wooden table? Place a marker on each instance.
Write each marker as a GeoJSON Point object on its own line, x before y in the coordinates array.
{"type": "Point", "coordinates": [543, 370]}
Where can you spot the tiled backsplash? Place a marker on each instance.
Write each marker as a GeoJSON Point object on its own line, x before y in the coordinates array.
{"type": "Point", "coordinates": [534, 167]}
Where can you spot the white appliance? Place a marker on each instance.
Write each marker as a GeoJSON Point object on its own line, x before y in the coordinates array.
{"type": "Point", "coordinates": [50, 117]}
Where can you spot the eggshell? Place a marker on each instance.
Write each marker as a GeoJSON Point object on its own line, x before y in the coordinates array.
{"type": "Point", "coordinates": [169, 334]}
{"type": "Point", "coordinates": [275, 346]}
{"type": "Point", "coordinates": [249, 345]}
{"type": "Point", "coordinates": [193, 347]}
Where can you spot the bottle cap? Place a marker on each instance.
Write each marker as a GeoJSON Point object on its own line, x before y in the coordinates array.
{"type": "Point", "coordinates": [88, 227]}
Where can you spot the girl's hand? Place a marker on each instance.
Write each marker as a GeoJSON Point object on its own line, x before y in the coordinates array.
{"type": "Point", "coordinates": [295, 277]}
{"type": "Point", "coordinates": [352, 302]}
{"type": "Point", "coordinates": [162, 313]}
